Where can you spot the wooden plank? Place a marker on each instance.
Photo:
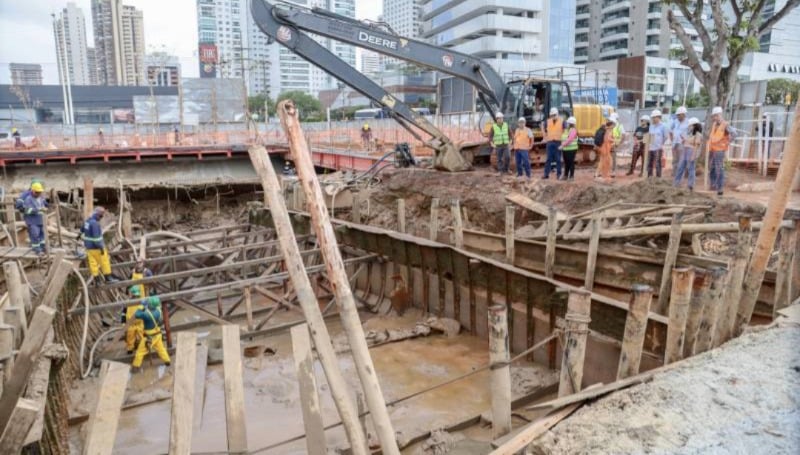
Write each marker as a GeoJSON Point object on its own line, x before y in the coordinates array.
{"type": "Point", "coordinates": [635, 326]}
{"type": "Point", "coordinates": [23, 414]}
{"type": "Point", "coordinates": [200, 384]}
{"type": "Point", "coordinates": [36, 389]}
{"type": "Point", "coordinates": [24, 362]}
{"type": "Point", "coordinates": [401, 215]}
{"type": "Point", "coordinates": [248, 308]}
{"type": "Point", "coordinates": [576, 332]}
{"type": "Point", "coordinates": [550, 250]}
{"type": "Point", "coordinates": [88, 196]}
{"type": "Point", "coordinates": [534, 430]}
{"type": "Point", "coordinates": [58, 276]}
{"type": "Point", "coordinates": [102, 426]}
{"type": "Point", "coordinates": [236, 422]}
{"type": "Point", "coordinates": [183, 395]}
{"type": "Point", "coordinates": [309, 395]}
{"type": "Point", "coordinates": [536, 207]}
{"type": "Point", "coordinates": [458, 226]}
{"type": "Point", "coordinates": [510, 234]}
{"type": "Point", "coordinates": [500, 374]}
{"type": "Point", "coordinates": [682, 279]}
{"type": "Point", "coordinates": [669, 262]}
{"type": "Point", "coordinates": [591, 261]}
{"type": "Point", "coordinates": [433, 226]}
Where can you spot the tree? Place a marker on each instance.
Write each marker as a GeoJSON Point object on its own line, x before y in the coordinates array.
{"type": "Point", "coordinates": [255, 105]}
{"type": "Point", "coordinates": [729, 36]}
{"type": "Point", "coordinates": [697, 99]}
{"type": "Point", "coordinates": [309, 107]}
{"type": "Point", "coordinates": [777, 89]}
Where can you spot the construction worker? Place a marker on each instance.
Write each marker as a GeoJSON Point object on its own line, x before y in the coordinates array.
{"type": "Point", "coordinates": [139, 272]}
{"type": "Point", "coordinates": [499, 140]}
{"type": "Point", "coordinates": [17, 138]}
{"type": "Point", "coordinates": [96, 252]}
{"type": "Point", "coordinates": [149, 313]}
{"type": "Point", "coordinates": [554, 128]}
{"type": "Point", "coordinates": [569, 147]}
{"type": "Point", "coordinates": [618, 133]}
{"type": "Point", "coordinates": [691, 148]}
{"type": "Point", "coordinates": [366, 136]}
{"type": "Point", "coordinates": [639, 144]}
{"type": "Point", "coordinates": [135, 331]}
{"type": "Point", "coordinates": [718, 142]}
{"type": "Point", "coordinates": [523, 142]}
{"type": "Point", "coordinates": [34, 207]}
{"type": "Point", "coordinates": [677, 135]}
{"type": "Point", "coordinates": [658, 135]}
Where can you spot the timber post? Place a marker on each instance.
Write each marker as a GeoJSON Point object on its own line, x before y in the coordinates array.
{"type": "Point", "coordinates": [635, 326]}
{"type": "Point", "coordinates": [458, 225]}
{"type": "Point", "coordinates": [734, 291]}
{"type": "Point", "coordinates": [510, 234]}
{"type": "Point", "coordinates": [500, 378]}
{"type": "Point", "coordinates": [576, 333]}
{"type": "Point", "coordinates": [701, 287]}
{"type": "Point", "coordinates": [88, 196]}
{"type": "Point", "coordinates": [309, 395]}
{"type": "Point", "coordinates": [433, 226]}
{"type": "Point", "coordinates": [591, 259]}
{"type": "Point", "coordinates": [681, 295]}
{"type": "Point", "coordinates": [785, 269]}
{"type": "Point", "coordinates": [401, 215]}
{"type": "Point", "coordinates": [550, 251]}
{"type": "Point", "coordinates": [669, 262]}
{"type": "Point", "coordinates": [711, 310]}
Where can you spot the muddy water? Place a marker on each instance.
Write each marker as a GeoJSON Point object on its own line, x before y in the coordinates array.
{"type": "Point", "coordinates": [272, 404]}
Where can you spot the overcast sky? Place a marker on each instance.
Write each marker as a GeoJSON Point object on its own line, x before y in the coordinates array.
{"type": "Point", "coordinates": [26, 31]}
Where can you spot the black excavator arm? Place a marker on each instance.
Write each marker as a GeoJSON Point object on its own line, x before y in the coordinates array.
{"type": "Point", "coordinates": [274, 21]}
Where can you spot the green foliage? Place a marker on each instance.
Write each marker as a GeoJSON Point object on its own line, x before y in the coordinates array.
{"type": "Point", "coordinates": [309, 107]}
{"type": "Point", "coordinates": [255, 105]}
{"type": "Point", "coordinates": [777, 89]}
{"type": "Point", "coordinates": [698, 99]}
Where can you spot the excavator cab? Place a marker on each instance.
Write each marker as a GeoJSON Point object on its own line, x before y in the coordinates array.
{"type": "Point", "coordinates": [532, 99]}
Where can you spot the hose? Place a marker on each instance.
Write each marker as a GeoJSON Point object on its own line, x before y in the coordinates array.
{"type": "Point", "coordinates": [85, 334]}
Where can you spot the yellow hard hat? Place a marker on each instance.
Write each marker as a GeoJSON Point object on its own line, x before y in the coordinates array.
{"type": "Point", "coordinates": [13, 130]}
{"type": "Point", "coordinates": [366, 125]}
{"type": "Point", "coordinates": [37, 186]}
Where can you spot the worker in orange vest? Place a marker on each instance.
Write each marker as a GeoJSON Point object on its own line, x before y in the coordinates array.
{"type": "Point", "coordinates": [718, 142]}
{"type": "Point", "coordinates": [554, 127]}
{"type": "Point", "coordinates": [522, 144]}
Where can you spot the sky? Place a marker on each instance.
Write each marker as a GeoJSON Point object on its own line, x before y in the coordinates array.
{"type": "Point", "coordinates": [26, 31]}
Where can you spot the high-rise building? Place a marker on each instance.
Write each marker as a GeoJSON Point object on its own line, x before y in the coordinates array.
{"type": "Point", "coordinates": [70, 44]}
{"type": "Point", "coordinates": [162, 69]}
{"type": "Point", "coordinates": [25, 73]}
{"type": "Point", "coordinates": [404, 16]}
{"type": "Point", "coordinates": [371, 63]}
{"type": "Point", "coordinates": [612, 29]}
{"type": "Point", "coordinates": [91, 61]}
{"type": "Point", "coordinates": [510, 35]}
{"type": "Point", "coordinates": [119, 43]}
{"type": "Point", "coordinates": [779, 55]}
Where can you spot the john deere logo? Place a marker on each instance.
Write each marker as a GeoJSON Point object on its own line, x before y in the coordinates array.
{"type": "Point", "coordinates": [447, 59]}
{"type": "Point", "coordinates": [284, 33]}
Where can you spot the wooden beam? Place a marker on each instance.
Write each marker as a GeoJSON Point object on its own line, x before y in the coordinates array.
{"type": "Point", "coordinates": [673, 245]}
{"type": "Point", "coordinates": [711, 309]}
{"type": "Point", "coordinates": [88, 196]}
{"type": "Point", "coordinates": [401, 215]}
{"type": "Point", "coordinates": [695, 228]}
{"type": "Point", "coordinates": [591, 260]}
{"type": "Point", "coordinates": [535, 429]}
{"type": "Point", "coordinates": [500, 375]}
{"type": "Point", "coordinates": [536, 207]}
{"type": "Point", "coordinates": [733, 294]}
{"type": "Point", "coordinates": [433, 226]}
{"type": "Point", "coordinates": [24, 362]}
{"type": "Point", "coordinates": [248, 308]}
{"type": "Point", "coordinates": [785, 269]}
{"type": "Point", "coordinates": [102, 427]}
{"type": "Point", "coordinates": [337, 275]}
{"type": "Point", "coordinates": [58, 276]}
{"type": "Point", "coordinates": [576, 332]}
{"type": "Point", "coordinates": [200, 385]}
{"type": "Point", "coordinates": [183, 394]}
{"type": "Point", "coordinates": [701, 287]}
{"type": "Point", "coordinates": [635, 326]}
{"type": "Point", "coordinates": [510, 234]}
{"type": "Point", "coordinates": [308, 302]}
{"type": "Point", "coordinates": [309, 395]}
{"type": "Point", "coordinates": [23, 414]}
{"type": "Point", "coordinates": [682, 279]}
{"type": "Point", "coordinates": [550, 250]}
{"type": "Point", "coordinates": [236, 422]}
{"type": "Point", "coordinates": [458, 225]}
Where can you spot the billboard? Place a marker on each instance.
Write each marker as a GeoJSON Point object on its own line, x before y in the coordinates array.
{"type": "Point", "coordinates": [208, 57]}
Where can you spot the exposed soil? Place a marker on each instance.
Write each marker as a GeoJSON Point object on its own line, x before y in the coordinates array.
{"type": "Point", "coordinates": [741, 398]}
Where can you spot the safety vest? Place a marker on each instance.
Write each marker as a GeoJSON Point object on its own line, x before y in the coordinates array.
{"type": "Point", "coordinates": [521, 139]}
{"type": "Point", "coordinates": [554, 130]}
{"type": "Point", "coordinates": [139, 276]}
{"type": "Point", "coordinates": [500, 134]}
{"type": "Point", "coordinates": [572, 145]}
{"type": "Point", "coordinates": [719, 141]}
{"type": "Point", "coordinates": [617, 132]}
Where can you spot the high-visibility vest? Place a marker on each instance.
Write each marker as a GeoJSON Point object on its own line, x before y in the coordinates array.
{"type": "Point", "coordinates": [572, 145]}
{"type": "Point", "coordinates": [719, 141]}
{"type": "Point", "coordinates": [554, 129]}
{"type": "Point", "coordinates": [139, 276]}
{"type": "Point", "coordinates": [617, 132]}
{"type": "Point", "coordinates": [501, 136]}
{"type": "Point", "coordinates": [522, 140]}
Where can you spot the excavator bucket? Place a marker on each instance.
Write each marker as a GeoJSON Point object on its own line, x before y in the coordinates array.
{"type": "Point", "coordinates": [449, 158]}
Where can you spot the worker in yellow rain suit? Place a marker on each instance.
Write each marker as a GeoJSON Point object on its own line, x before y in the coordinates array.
{"type": "Point", "coordinates": [135, 331]}
{"type": "Point", "coordinates": [96, 252]}
{"type": "Point", "coordinates": [139, 272]}
{"type": "Point", "coordinates": [150, 315]}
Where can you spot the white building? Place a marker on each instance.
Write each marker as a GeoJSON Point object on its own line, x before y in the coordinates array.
{"type": "Point", "coordinates": [511, 35]}
{"type": "Point", "coordinates": [70, 45]}
{"type": "Point", "coordinates": [371, 63]}
{"type": "Point", "coordinates": [404, 16]}
{"type": "Point", "coordinates": [162, 69]}
{"type": "Point", "coordinates": [779, 56]}
{"type": "Point", "coordinates": [25, 73]}
{"type": "Point", "coordinates": [119, 43]}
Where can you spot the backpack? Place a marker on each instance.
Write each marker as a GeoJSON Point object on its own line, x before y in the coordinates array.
{"type": "Point", "coordinates": [600, 135]}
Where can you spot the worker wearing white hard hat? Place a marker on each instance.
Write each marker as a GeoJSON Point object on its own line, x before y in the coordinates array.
{"type": "Point", "coordinates": [677, 135]}
{"type": "Point", "coordinates": [719, 140]}
{"type": "Point", "coordinates": [554, 129]}
{"type": "Point", "coordinates": [522, 145]}
{"type": "Point", "coordinates": [500, 140]}
{"type": "Point", "coordinates": [569, 148]}
{"type": "Point", "coordinates": [655, 151]}
{"type": "Point", "coordinates": [639, 145]}
{"type": "Point", "coordinates": [618, 133]}
{"type": "Point", "coordinates": [691, 146]}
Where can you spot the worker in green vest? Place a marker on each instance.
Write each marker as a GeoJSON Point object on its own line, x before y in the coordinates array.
{"type": "Point", "coordinates": [569, 148]}
{"type": "Point", "coordinates": [499, 140]}
{"type": "Point", "coordinates": [618, 133]}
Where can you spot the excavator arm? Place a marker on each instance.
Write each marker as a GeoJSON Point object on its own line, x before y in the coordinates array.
{"type": "Point", "coordinates": [272, 20]}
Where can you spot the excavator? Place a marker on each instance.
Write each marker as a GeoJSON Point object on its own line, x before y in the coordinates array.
{"type": "Point", "coordinates": [526, 97]}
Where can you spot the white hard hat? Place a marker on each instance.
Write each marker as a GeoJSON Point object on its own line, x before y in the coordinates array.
{"type": "Point", "coordinates": [572, 121]}
{"type": "Point", "coordinates": [693, 121]}
{"type": "Point", "coordinates": [716, 110]}
{"type": "Point", "coordinates": [613, 117]}
{"type": "Point", "coordinates": [645, 118]}
{"type": "Point", "coordinates": [553, 111]}
{"type": "Point", "coordinates": [681, 110]}
{"type": "Point", "coordinates": [521, 120]}
{"type": "Point", "coordinates": [655, 113]}
{"type": "Point", "coordinates": [499, 115]}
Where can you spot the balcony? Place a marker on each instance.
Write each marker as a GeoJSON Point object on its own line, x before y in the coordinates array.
{"type": "Point", "coordinates": [655, 15]}
{"type": "Point", "coordinates": [581, 44]}
{"type": "Point", "coordinates": [618, 52]}
{"type": "Point", "coordinates": [496, 44]}
{"type": "Point", "coordinates": [616, 6]}
{"type": "Point", "coordinates": [652, 48]}
{"type": "Point", "coordinates": [619, 20]}
{"type": "Point", "coordinates": [582, 30]}
{"type": "Point", "coordinates": [614, 37]}
{"type": "Point", "coordinates": [580, 59]}
{"type": "Point", "coordinates": [441, 18]}
{"type": "Point", "coordinates": [487, 24]}
{"type": "Point", "coordinates": [586, 15]}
